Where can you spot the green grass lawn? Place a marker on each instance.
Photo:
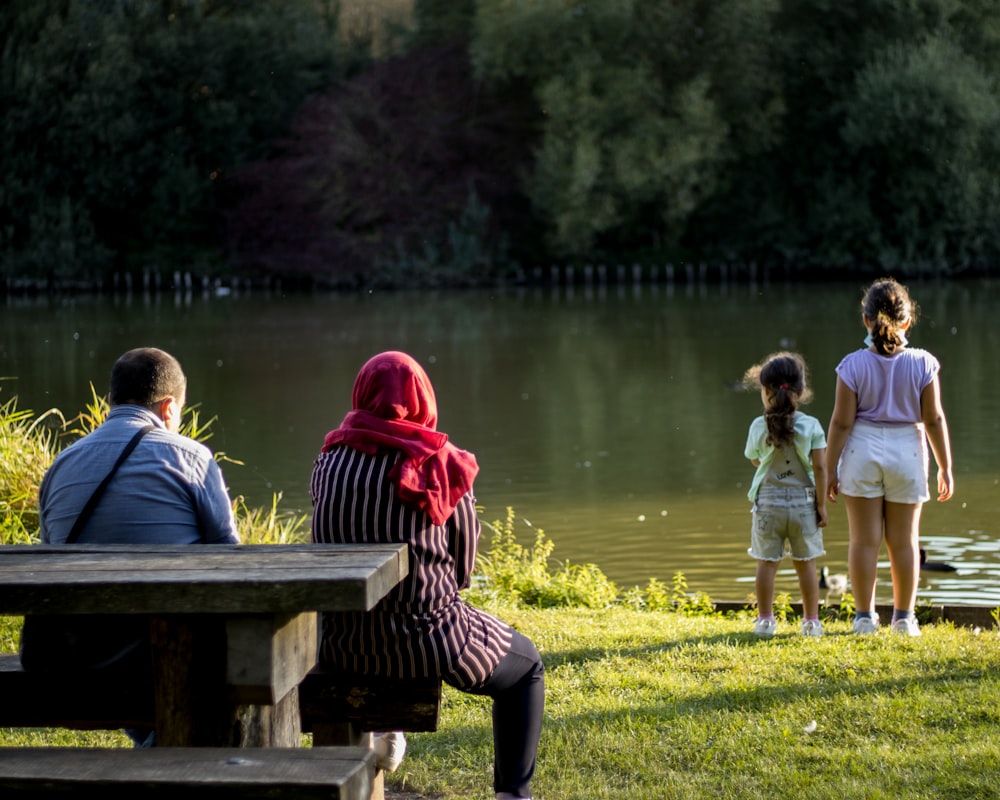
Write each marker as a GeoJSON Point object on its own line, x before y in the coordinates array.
{"type": "Point", "coordinates": [659, 705]}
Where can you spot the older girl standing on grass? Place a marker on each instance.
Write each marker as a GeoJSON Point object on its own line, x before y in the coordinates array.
{"type": "Point", "coordinates": [788, 448]}
{"type": "Point", "coordinates": [887, 408]}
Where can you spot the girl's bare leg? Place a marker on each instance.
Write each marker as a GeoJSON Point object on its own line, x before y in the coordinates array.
{"type": "Point", "coordinates": [902, 540]}
{"type": "Point", "coordinates": [764, 586]}
{"type": "Point", "coordinates": [809, 586]}
{"type": "Point", "coordinates": [864, 521]}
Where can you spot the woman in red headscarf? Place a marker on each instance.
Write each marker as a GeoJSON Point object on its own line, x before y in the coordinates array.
{"type": "Point", "coordinates": [388, 475]}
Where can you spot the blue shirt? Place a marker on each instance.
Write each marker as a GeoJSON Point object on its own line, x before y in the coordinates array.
{"type": "Point", "coordinates": [169, 490]}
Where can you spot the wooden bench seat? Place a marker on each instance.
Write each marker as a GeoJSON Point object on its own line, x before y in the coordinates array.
{"type": "Point", "coordinates": [194, 773]}
{"type": "Point", "coordinates": [70, 700]}
{"type": "Point", "coordinates": [337, 708]}
{"type": "Point", "coordinates": [326, 700]}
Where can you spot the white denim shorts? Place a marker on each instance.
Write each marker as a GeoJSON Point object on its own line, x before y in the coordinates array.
{"type": "Point", "coordinates": [890, 462]}
{"type": "Point", "coordinates": [785, 521]}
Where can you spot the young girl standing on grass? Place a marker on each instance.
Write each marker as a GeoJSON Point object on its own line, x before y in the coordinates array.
{"type": "Point", "coordinates": [789, 450]}
{"type": "Point", "coordinates": [887, 408]}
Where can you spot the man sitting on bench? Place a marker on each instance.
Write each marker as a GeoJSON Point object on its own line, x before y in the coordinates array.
{"type": "Point", "coordinates": [170, 490]}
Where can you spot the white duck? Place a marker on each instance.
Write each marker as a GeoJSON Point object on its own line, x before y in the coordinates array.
{"type": "Point", "coordinates": [835, 585]}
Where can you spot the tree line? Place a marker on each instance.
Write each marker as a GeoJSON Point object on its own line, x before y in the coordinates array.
{"type": "Point", "coordinates": [253, 139]}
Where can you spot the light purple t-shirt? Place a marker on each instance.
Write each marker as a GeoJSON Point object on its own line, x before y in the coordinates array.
{"type": "Point", "coordinates": [888, 387]}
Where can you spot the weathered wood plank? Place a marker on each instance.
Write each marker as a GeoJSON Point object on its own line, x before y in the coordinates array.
{"type": "Point", "coordinates": [95, 702]}
{"type": "Point", "coordinates": [266, 657]}
{"type": "Point", "coordinates": [218, 579]}
{"type": "Point", "coordinates": [337, 708]}
{"type": "Point", "coordinates": [195, 707]}
{"type": "Point", "coordinates": [323, 773]}
{"type": "Point", "coordinates": [223, 674]}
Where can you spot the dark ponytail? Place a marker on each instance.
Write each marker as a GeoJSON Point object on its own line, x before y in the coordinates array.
{"type": "Point", "coordinates": [888, 308]}
{"type": "Point", "coordinates": [783, 376]}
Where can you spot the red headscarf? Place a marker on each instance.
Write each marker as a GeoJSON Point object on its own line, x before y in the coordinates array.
{"type": "Point", "coordinates": [394, 406]}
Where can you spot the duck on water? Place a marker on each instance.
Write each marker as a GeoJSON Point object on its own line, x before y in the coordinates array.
{"type": "Point", "coordinates": [836, 584]}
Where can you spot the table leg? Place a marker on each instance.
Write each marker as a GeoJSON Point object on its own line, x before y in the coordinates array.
{"type": "Point", "coordinates": [189, 663]}
{"type": "Point", "coordinates": [194, 707]}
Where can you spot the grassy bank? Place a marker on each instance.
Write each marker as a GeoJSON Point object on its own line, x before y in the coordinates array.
{"type": "Point", "coordinates": [665, 706]}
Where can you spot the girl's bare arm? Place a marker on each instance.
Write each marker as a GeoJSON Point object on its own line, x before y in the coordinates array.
{"type": "Point", "coordinates": [932, 415]}
{"type": "Point", "coordinates": [845, 409]}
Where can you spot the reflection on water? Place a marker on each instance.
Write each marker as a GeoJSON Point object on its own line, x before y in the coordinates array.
{"type": "Point", "coordinates": [605, 416]}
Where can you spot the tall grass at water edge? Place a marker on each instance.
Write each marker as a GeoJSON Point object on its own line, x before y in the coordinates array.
{"type": "Point", "coordinates": [650, 693]}
{"type": "Point", "coordinates": [29, 443]}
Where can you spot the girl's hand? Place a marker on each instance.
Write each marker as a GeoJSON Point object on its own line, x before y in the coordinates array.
{"type": "Point", "coordinates": [833, 489]}
{"type": "Point", "coordinates": [946, 485]}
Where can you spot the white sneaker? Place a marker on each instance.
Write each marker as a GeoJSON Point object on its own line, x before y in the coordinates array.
{"type": "Point", "coordinates": [812, 627]}
{"type": "Point", "coordinates": [865, 626]}
{"type": "Point", "coordinates": [389, 750]}
{"type": "Point", "coordinates": [764, 628]}
{"type": "Point", "coordinates": [907, 627]}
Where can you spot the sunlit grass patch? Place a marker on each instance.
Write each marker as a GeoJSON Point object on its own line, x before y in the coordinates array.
{"type": "Point", "coordinates": [660, 705]}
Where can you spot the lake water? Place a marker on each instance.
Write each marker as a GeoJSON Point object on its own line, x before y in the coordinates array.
{"type": "Point", "coordinates": [605, 416]}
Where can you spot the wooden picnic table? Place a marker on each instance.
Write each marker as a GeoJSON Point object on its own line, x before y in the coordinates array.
{"type": "Point", "coordinates": [233, 627]}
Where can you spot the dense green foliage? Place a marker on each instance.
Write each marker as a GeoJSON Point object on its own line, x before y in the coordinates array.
{"type": "Point", "coordinates": [26, 450]}
{"type": "Point", "coordinates": [406, 175]}
{"type": "Point", "coordinates": [644, 103]}
{"type": "Point", "coordinates": [120, 119]}
{"type": "Point", "coordinates": [889, 152]}
{"type": "Point", "coordinates": [215, 135]}
{"type": "Point", "coordinates": [825, 134]}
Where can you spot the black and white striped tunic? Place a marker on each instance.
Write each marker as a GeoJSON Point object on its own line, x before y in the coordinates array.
{"type": "Point", "coordinates": [422, 627]}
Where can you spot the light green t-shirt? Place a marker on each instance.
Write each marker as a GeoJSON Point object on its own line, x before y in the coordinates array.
{"type": "Point", "coordinates": [809, 436]}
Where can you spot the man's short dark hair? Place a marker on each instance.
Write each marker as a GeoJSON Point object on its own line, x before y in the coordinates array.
{"type": "Point", "coordinates": [146, 375]}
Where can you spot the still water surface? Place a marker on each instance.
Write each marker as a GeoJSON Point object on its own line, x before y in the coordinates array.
{"type": "Point", "coordinates": [605, 416]}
